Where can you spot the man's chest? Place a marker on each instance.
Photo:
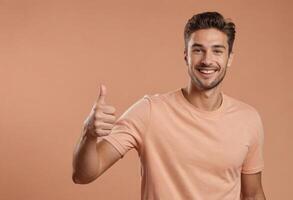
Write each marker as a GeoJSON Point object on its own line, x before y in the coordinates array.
{"type": "Point", "coordinates": [209, 145]}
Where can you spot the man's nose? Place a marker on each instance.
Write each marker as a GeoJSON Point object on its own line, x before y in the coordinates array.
{"type": "Point", "coordinates": [207, 58]}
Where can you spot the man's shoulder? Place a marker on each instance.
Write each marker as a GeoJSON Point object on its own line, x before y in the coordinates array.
{"type": "Point", "coordinates": [241, 106]}
{"type": "Point", "coordinates": [158, 97]}
{"type": "Point", "coordinates": [162, 96]}
{"type": "Point", "coordinates": [143, 105]}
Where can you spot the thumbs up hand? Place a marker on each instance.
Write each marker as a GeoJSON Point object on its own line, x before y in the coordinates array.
{"type": "Point", "coordinates": [101, 118]}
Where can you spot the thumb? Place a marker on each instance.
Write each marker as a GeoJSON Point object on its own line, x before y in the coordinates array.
{"type": "Point", "coordinates": [101, 98]}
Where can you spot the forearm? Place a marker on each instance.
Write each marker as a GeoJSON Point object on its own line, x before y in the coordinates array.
{"type": "Point", "coordinates": [255, 197]}
{"type": "Point", "coordinates": [85, 160]}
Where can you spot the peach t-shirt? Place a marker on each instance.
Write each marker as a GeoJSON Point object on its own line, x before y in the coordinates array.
{"type": "Point", "coordinates": [187, 153]}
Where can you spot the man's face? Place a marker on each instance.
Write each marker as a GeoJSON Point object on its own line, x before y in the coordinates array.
{"type": "Point", "coordinates": [207, 58]}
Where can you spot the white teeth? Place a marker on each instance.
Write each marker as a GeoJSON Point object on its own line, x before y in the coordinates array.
{"type": "Point", "coordinates": [207, 71]}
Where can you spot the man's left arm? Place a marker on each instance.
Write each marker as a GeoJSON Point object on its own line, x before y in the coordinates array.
{"type": "Point", "coordinates": [251, 187]}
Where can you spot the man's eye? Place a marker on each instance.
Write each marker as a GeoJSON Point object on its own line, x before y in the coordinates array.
{"type": "Point", "coordinates": [218, 51]}
{"type": "Point", "coordinates": [197, 50]}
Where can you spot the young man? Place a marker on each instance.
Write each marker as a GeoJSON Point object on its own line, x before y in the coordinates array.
{"type": "Point", "coordinates": [194, 143]}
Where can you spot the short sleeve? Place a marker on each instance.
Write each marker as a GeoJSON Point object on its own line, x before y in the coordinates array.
{"type": "Point", "coordinates": [254, 161]}
{"type": "Point", "coordinates": [129, 128]}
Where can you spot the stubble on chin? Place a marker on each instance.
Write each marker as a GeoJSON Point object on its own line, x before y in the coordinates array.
{"type": "Point", "coordinates": [201, 86]}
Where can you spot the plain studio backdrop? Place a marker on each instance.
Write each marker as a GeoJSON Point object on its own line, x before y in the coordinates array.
{"type": "Point", "coordinates": [54, 55]}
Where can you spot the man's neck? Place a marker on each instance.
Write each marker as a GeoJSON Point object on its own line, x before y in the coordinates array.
{"type": "Point", "coordinates": [207, 100]}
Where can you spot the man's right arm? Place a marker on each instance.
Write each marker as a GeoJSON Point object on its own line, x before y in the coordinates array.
{"type": "Point", "coordinates": [91, 159]}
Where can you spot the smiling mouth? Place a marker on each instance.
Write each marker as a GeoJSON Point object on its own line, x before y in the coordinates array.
{"type": "Point", "coordinates": [207, 71]}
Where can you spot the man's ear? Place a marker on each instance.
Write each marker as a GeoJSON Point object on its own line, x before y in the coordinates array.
{"type": "Point", "coordinates": [185, 57]}
{"type": "Point", "coordinates": [230, 59]}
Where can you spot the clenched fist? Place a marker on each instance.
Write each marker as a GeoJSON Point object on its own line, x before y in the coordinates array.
{"type": "Point", "coordinates": [101, 118]}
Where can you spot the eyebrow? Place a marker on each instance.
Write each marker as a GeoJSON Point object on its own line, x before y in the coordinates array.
{"type": "Point", "coordinates": [214, 46]}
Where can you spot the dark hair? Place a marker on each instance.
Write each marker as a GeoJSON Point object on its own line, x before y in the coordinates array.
{"type": "Point", "coordinates": [207, 20]}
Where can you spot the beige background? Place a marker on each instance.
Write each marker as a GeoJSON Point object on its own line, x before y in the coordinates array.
{"type": "Point", "coordinates": [54, 55]}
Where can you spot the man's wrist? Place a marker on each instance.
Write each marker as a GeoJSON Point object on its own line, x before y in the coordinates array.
{"type": "Point", "coordinates": [89, 136]}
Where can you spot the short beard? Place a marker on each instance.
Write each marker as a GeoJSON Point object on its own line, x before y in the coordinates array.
{"type": "Point", "coordinates": [198, 84]}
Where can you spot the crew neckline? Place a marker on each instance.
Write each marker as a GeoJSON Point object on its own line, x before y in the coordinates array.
{"type": "Point", "coordinates": [198, 111]}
